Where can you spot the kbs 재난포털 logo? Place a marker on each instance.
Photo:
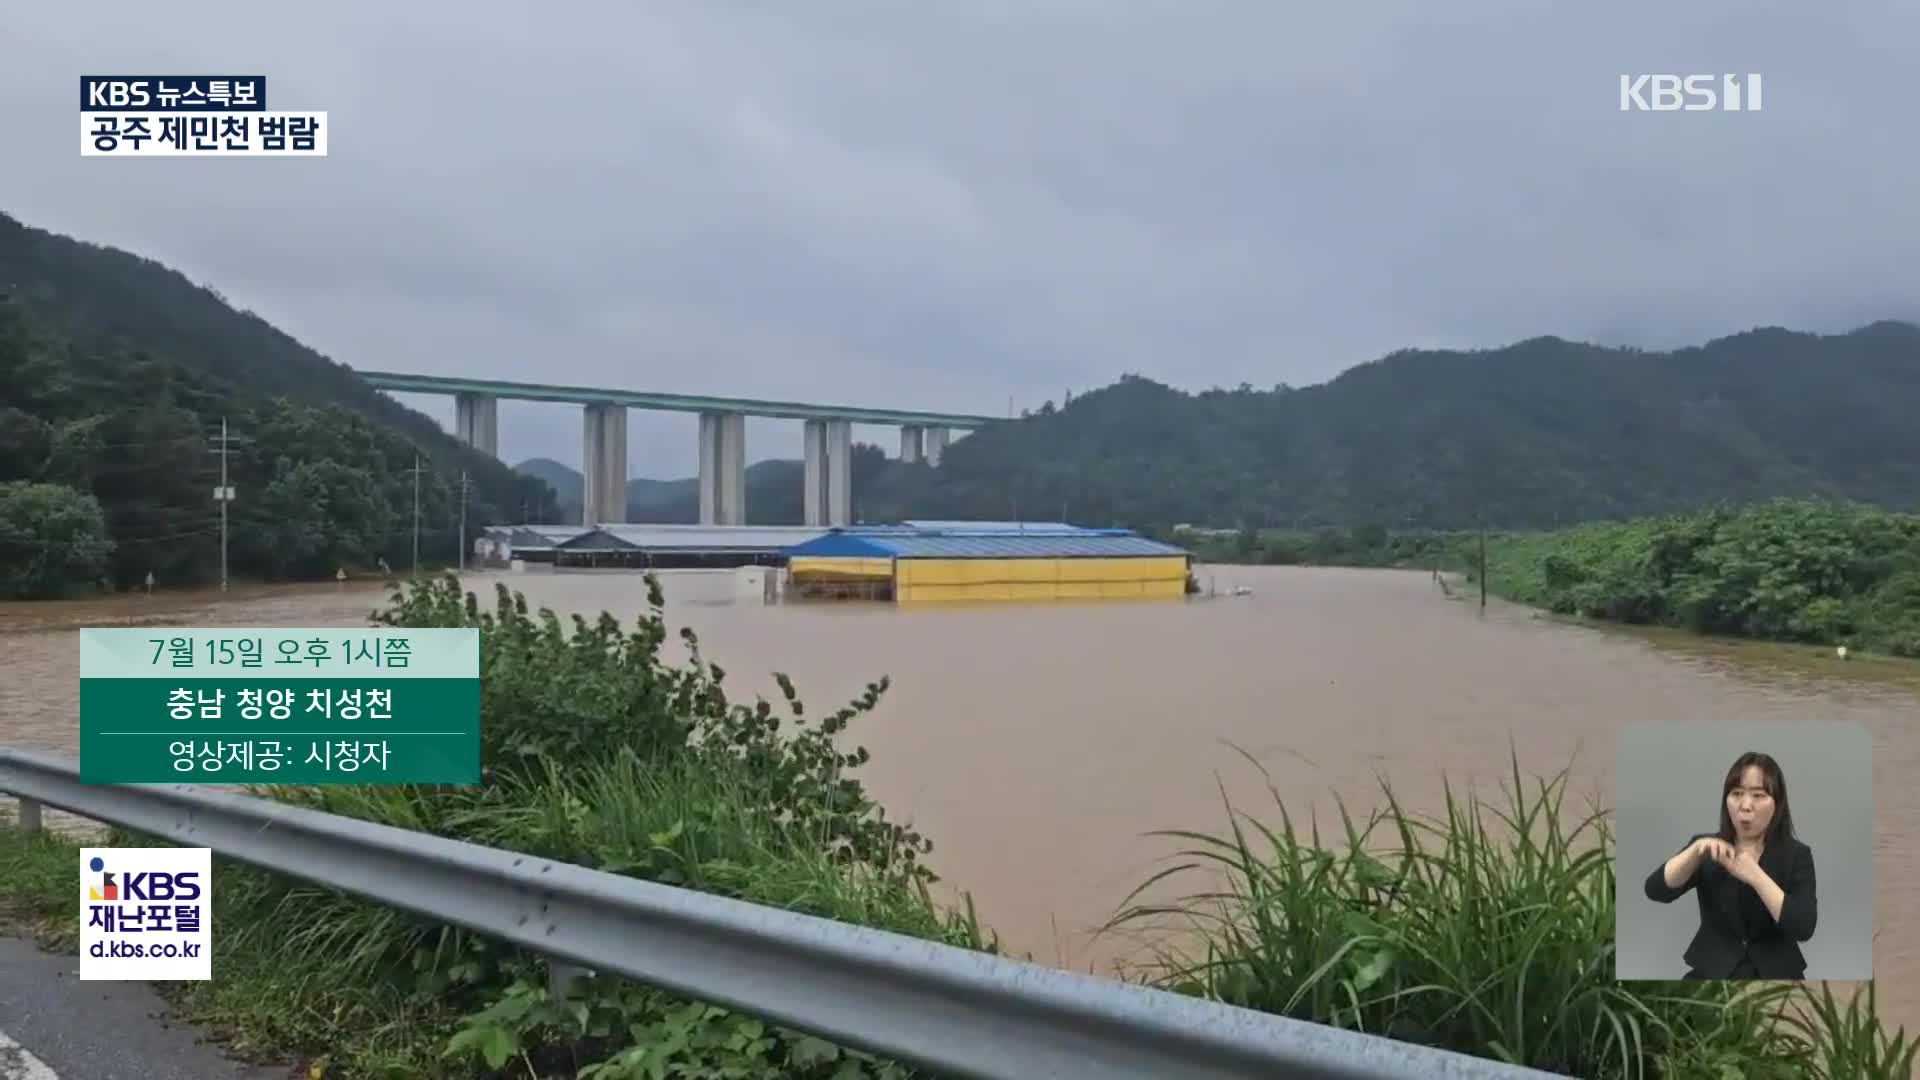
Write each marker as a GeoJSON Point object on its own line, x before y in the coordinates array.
{"type": "Point", "coordinates": [145, 913]}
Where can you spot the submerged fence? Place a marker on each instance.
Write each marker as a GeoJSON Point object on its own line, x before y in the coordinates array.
{"type": "Point", "coordinates": [950, 1010]}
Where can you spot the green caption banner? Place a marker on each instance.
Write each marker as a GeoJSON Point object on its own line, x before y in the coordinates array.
{"type": "Point", "coordinates": [279, 706]}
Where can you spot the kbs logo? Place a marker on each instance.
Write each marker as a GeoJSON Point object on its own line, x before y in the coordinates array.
{"type": "Point", "coordinates": [144, 913]}
{"type": "Point", "coordinates": [156, 885]}
{"type": "Point", "coordinates": [1689, 93]}
{"type": "Point", "coordinates": [192, 116]}
{"type": "Point", "coordinates": [173, 93]}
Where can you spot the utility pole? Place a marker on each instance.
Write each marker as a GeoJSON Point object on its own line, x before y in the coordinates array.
{"type": "Point", "coordinates": [1483, 568]}
{"type": "Point", "coordinates": [223, 504]}
{"type": "Point", "coordinates": [223, 495]}
{"type": "Point", "coordinates": [463, 521]}
{"type": "Point", "coordinates": [416, 514]}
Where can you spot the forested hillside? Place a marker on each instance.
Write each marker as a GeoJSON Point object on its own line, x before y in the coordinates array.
{"type": "Point", "coordinates": [1541, 433]}
{"type": "Point", "coordinates": [115, 374]}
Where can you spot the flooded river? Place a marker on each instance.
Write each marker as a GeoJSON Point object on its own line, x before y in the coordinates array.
{"type": "Point", "coordinates": [1037, 744]}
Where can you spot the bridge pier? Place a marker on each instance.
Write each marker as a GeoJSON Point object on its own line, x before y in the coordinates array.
{"type": "Point", "coordinates": [936, 445]}
{"type": "Point", "coordinates": [723, 469]}
{"type": "Point", "coordinates": [476, 421]}
{"type": "Point", "coordinates": [913, 444]}
{"type": "Point", "coordinates": [603, 465]}
{"type": "Point", "coordinates": [829, 472]}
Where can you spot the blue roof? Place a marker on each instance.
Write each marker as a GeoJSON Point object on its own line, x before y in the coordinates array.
{"type": "Point", "coordinates": [997, 528]}
{"type": "Point", "coordinates": [911, 544]}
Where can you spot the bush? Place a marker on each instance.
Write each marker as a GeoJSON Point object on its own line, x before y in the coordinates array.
{"type": "Point", "coordinates": [1791, 569]}
{"type": "Point", "coordinates": [597, 751]}
{"type": "Point", "coordinates": [52, 538]}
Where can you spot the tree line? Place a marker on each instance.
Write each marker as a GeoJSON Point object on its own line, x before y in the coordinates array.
{"type": "Point", "coordinates": [1819, 571]}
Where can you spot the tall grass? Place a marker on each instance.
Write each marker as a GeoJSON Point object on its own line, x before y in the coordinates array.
{"type": "Point", "coordinates": [1488, 930]}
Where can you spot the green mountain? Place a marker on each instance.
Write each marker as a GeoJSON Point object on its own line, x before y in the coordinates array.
{"type": "Point", "coordinates": [115, 375]}
{"type": "Point", "coordinates": [645, 498]}
{"type": "Point", "coordinates": [774, 491]}
{"type": "Point", "coordinates": [565, 481]}
{"type": "Point", "coordinates": [1538, 433]}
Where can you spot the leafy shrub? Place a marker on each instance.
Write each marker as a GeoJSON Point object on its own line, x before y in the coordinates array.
{"type": "Point", "coordinates": [596, 750]}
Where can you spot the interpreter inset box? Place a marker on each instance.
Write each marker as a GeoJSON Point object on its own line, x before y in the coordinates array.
{"type": "Point", "coordinates": [1745, 851]}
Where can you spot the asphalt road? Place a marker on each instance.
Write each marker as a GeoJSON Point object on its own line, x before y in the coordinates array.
{"type": "Point", "coordinates": [55, 1027]}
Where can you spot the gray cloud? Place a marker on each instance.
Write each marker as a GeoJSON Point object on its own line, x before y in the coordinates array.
{"type": "Point", "coordinates": [948, 205]}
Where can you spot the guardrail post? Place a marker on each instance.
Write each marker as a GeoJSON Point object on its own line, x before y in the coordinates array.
{"type": "Point", "coordinates": [29, 815]}
{"type": "Point", "coordinates": [561, 977]}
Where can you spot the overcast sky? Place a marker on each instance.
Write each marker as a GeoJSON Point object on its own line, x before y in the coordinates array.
{"type": "Point", "coordinates": [947, 205]}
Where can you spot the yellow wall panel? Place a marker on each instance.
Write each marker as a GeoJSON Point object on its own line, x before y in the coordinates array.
{"type": "Point", "coordinates": [920, 591]}
{"type": "Point", "coordinates": [1126, 569]}
{"type": "Point", "coordinates": [987, 571]}
{"type": "Point", "coordinates": [815, 566]}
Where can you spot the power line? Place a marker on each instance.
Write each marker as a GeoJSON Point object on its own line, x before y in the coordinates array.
{"type": "Point", "coordinates": [138, 444]}
{"type": "Point", "coordinates": [164, 538]}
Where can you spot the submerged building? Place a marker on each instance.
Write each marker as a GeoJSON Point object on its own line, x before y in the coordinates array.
{"type": "Point", "coordinates": [956, 561]}
{"type": "Point", "coordinates": [643, 547]}
{"type": "Point", "coordinates": [910, 563]}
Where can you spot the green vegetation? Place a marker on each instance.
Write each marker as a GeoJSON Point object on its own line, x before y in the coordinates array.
{"type": "Point", "coordinates": [130, 366]}
{"type": "Point", "coordinates": [51, 536]}
{"type": "Point", "coordinates": [1489, 930]}
{"type": "Point", "coordinates": [1791, 570]}
{"type": "Point", "coordinates": [1368, 545]}
{"type": "Point", "coordinates": [87, 433]}
{"type": "Point", "coordinates": [600, 752]}
{"type": "Point", "coordinates": [1539, 434]}
{"type": "Point", "coordinates": [115, 375]}
{"type": "Point", "coordinates": [1802, 570]}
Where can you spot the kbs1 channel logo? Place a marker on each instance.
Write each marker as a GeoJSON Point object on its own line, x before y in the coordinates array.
{"type": "Point", "coordinates": [1690, 93]}
{"type": "Point", "coordinates": [192, 116]}
{"type": "Point", "coordinates": [146, 913]}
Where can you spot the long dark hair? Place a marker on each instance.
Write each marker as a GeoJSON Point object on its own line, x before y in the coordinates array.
{"type": "Point", "coordinates": [1774, 780]}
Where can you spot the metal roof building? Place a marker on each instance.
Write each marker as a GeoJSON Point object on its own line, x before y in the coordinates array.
{"type": "Point", "coordinates": [638, 545]}
{"type": "Point", "coordinates": [916, 561]}
{"type": "Point", "coordinates": [966, 561]}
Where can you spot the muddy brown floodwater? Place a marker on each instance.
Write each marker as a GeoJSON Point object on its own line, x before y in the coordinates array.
{"type": "Point", "coordinates": [1037, 745]}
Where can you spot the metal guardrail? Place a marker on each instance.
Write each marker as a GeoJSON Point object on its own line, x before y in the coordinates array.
{"type": "Point", "coordinates": [947, 1009]}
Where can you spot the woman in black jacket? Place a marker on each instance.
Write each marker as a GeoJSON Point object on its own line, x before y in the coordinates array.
{"type": "Point", "coordinates": [1753, 880]}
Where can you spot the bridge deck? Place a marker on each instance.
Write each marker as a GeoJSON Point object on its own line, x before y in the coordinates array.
{"type": "Point", "coordinates": [638, 399]}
